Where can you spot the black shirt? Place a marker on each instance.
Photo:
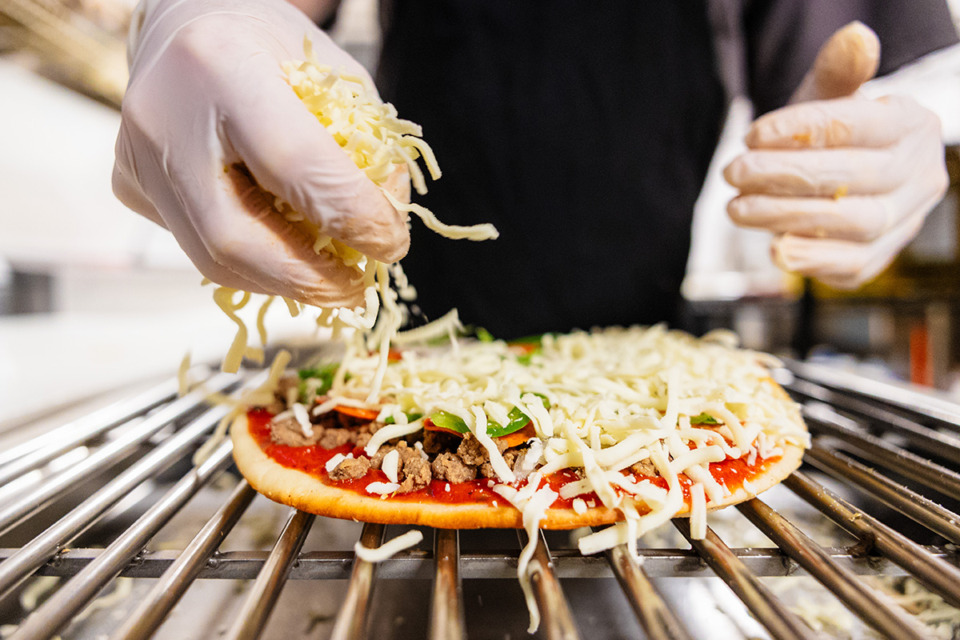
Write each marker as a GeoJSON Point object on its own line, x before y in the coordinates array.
{"type": "Point", "coordinates": [583, 130]}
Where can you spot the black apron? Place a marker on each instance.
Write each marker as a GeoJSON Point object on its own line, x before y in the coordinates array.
{"type": "Point", "coordinates": [581, 129]}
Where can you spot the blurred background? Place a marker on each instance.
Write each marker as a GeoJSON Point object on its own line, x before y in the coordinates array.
{"type": "Point", "coordinates": [93, 297]}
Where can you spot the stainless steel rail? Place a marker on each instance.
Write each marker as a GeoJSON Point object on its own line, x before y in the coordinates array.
{"type": "Point", "coordinates": [29, 455]}
{"type": "Point", "coordinates": [72, 597]}
{"type": "Point", "coordinates": [180, 575]}
{"type": "Point", "coordinates": [446, 612]}
{"type": "Point", "coordinates": [27, 559]}
{"type": "Point", "coordinates": [105, 457]}
{"type": "Point", "coordinates": [938, 576]}
{"type": "Point", "coordinates": [556, 621]}
{"type": "Point", "coordinates": [943, 445]}
{"type": "Point", "coordinates": [352, 617]}
{"type": "Point", "coordinates": [496, 565]}
{"type": "Point", "coordinates": [266, 589]}
{"type": "Point", "coordinates": [908, 502]}
{"type": "Point", "coordinates": [925, 403]}
{"type": "Point", "coordinates": [873, 609]}
{"type": "Point", "coordinates": [768, 609]}
{"type": "Point", "coordinates": [656, 618]}
{"type": "Point", "coordinates": [864, 445]}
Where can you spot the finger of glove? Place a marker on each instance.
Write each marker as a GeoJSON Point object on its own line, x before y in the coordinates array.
{"type": "Point", "coordinates": [853, 218]}
{"type": "Point", "coordinates": [126, 185]}
{"type": "Point", "coordinates": [816, 172]}
{"type": "Point", "coordinates": [291, 155]}
{"type": "Point", "coordinates": [846, 60]}
{"type": "Point", "coordinates": [842, 264]}
{"type": "Point", "coordinates": [857, 218]}
{"type": "Point", "coordinates": [851, 122]}
{"type": "Point", "coordinates": [242, 230]}
{"type": "Point", "coordinates": [397, 183]}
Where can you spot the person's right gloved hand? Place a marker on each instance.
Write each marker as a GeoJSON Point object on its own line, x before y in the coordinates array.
{"type": "Point", "coordinates": [210, 126]}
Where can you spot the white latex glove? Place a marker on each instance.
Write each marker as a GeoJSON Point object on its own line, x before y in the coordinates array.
{"type": "Point", "coordinates": [845, 182]}
{"type": "Point", "coordinates": [208, 120]}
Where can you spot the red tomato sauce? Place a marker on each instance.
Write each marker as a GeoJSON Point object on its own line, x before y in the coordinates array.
{"type": "Point", "coordinates": [313, 458]}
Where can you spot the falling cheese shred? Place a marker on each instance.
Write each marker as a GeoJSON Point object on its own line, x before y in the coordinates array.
{"type": "Point", "coordinates": [389, 549]}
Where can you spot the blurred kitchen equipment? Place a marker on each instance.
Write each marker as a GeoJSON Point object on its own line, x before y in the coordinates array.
{"type": "Point", "coordinates": [79, 43]}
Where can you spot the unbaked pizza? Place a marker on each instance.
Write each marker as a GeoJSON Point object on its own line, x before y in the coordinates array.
{"type": "Point", "coordinates": [635, 425]}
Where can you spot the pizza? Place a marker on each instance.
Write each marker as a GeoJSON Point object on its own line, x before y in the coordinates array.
{"type": "Point", "coordinates": [620, 425]}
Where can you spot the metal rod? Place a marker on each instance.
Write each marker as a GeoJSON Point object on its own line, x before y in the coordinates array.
{"type": "Point", "coordinates": [446, 611]}
{"type": "Point", "coordinates": [922, 403]}
{"type": "Point", "coordinates": [655, 617]}
{"type": "Point", "coordinates": [54, 614]}
{"type": "Point", "coordinates": [177, 579]}
{"type": "Point", "coordinates": [34, 554]}
{"type": "Point", "coordinates": [942, 445]}
{"type": "Point", "coordinates": [419, 565]}
{"type": "Point", "coordinates": [938, 576]}
{"type": "Point", "coordinates": [69, 435]}
{"type": "Point", "coordinates": [930, 474]}
{"type": "Point", "coordinates": [556, 621]}
{"type": "Point", "coordinates": [104, 457]}
{"type": "Point", "coordinates": [890, 621]}
{"type": "Point", "coordinates": [769, 610]}
{"type": "Point", "coordinates": [266, 589]}
{"type": "Point", "coordinates": [908, 502]}
{"type": "Point", "coordinates": [352, 617]}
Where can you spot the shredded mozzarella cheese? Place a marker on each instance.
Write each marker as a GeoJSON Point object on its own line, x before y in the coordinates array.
{"type": "Point", "coordinates": [391, 465]}
{"type": "Point", "coordinates": [335, 461]}
{"type": "Point", "coordinates": [698, 512]}
{"type": "Point", "coordinates": [382, 488]}
{"type": "Point", "coordinates": [303, 419]}
{"type": "Point", "coordinates": [388, 549]}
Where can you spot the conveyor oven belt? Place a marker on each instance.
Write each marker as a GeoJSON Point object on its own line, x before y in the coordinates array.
{"type": "Point", "coordinates": [882, 461]}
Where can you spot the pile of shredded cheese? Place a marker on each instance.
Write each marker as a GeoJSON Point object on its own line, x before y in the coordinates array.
{"type": "Point", "coordinates": [616, 397]}
{"type": "Point", "coordinates": [379, 143]}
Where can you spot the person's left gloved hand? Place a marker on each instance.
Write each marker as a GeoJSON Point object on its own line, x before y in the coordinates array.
{"type": "Point", "coordinates": [845, 182]}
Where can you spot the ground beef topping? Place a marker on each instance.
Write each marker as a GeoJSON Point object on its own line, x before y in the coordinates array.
{"type": "Point", "coordinates": [645, 468]}
{"type": "Point", "coordinates": [474, 453]}
{"type": "Point", "coordinates": [437, 442]}
{"type": "Point", "coordinates": [510, 457]}
{"type": "Point", "coordinates": [351, 469]}
{"type": "Point", "coordinates": [415, 474]}
{"type": "Point", "coordinates": [414, 471]}
{"type": "Point", "coordinates": [454, 459]}
{"type": "Point", "coordinates": [287, 431]}
{"type": "Point", "coordinates": [365, 432]}
{"type": "Point", "coordinates": [336, 437]}
{"type": "Point", "coordinates": [449, 467]}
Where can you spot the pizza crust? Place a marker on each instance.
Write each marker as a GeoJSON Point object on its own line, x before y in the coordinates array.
{"type": "Point", "coordinates": [308, 493]}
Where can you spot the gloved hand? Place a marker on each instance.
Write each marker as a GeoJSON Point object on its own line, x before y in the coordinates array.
{"type": "Point", "coordinates": [208, 120]}
{"type": "Point", "coordinates": [845, 182]}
